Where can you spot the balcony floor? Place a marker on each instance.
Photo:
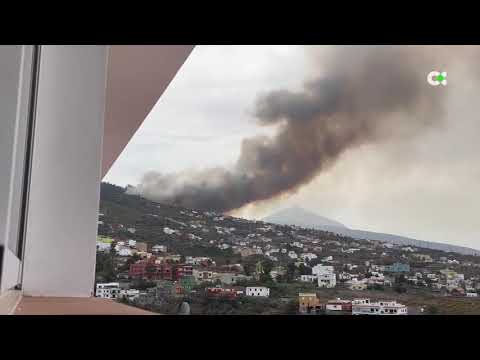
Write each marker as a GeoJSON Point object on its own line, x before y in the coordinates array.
{"type": "Point", "coordinates": [74, 306]}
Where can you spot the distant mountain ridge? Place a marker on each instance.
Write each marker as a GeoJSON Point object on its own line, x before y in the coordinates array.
{"type": "Point", "coordinates": [301, 217]}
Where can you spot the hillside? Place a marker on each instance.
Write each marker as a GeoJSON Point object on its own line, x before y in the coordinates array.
{"type": "Point", "coordinates": [210, 229]}
{"type": "Point", "coordinates": [258, 253]}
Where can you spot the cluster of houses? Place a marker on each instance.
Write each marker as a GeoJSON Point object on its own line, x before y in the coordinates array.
{"type": "Point", "coordinates": [309, 303]}
{"type": "Point", "coordinates": [386, 275]}
{"type": "Point", "coordinates": [376, 275]}
{"type": "Point", "coordinates": [159, 265]}
{"type": "Point", "coordinates": [179, 276]}
{"type": "Point", "coordinates": [116, 290]}
{"type": "Point", "coordinates": [125, 248]}
{"type": "Point", "coordinates": [332, 262]}
{"type": "Point", "coordinates": [200, 269]}
{"type": "Point", "coordinates": [325, 276]}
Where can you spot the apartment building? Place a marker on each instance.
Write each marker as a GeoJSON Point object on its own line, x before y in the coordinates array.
{"type": "Point", "coordinates": [367, 307]}
{"type": "Point", "coordinates": [108, 290]}
{"type": "Point", "coordinates": [326, 276]}
{"type": "Point", "coordinates": [257, 291]}
{"type": "Point", "coordinates": [327, 280]}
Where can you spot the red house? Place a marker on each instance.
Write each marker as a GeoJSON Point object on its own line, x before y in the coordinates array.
{"type": "Point", "coordinates": [148, 269]}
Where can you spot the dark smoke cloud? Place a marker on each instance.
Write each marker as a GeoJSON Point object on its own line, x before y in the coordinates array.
{"type": "Point", "coordinates": [367, 94]}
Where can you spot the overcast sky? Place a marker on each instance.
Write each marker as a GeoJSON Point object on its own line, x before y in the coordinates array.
{"type": "Point", "coordinates": [426, 189]}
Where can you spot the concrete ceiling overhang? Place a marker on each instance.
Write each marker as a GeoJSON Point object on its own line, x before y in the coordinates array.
{"type": "Point", "coordinates": [137, 77]}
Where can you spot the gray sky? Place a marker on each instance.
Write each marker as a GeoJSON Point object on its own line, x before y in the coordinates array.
{"type": "Point", "coordinates": [426, 188]}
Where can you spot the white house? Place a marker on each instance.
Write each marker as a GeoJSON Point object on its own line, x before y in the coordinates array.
{"type": "Point", "coordinates": [130, 294]}
{"type": "Point", "coordinates": [125, 251]}
{"type": "Point", "coordinates": [108, 290]}
{"type": "Point", "coordinates": [320, 269]}
{"type": "Point", "coordinates": [308, 278]}
{"type": "Point", "coordinates": [344, 276]}
{"type": "Point", "coordinates": [260, 291]}
{"type": "Point", "coordinates": [325, 275]}
{"type": "Point", "coordinates": [225, 246]}
{"type": "Point", "coordinates": [377, 277]}
{"type": "Point", "coordinates": [292, 255]}
{"type": "Point", "coordinates": [103, 246]}
{"type": "Point", "coordinates": [350, 251]}
{"type": "Point", "coordinates": [192, 260]}
{"type": "Point", "coordinates": [308, 256]}
{"type": "Point", "coordinates": [328, 280]}
{"type": "Point", "coordinates": [169, 231]}
{"type": "Point", "coordinates": [351, 266]}
{"type": "Point", "coordinates": [132, 243]}
{"type": "Point", "coordinates": [159, 248]}
{"type": "Point", "coordinates": [131, 230]}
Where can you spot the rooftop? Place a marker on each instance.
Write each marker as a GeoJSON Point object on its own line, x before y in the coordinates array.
{"type": "Point", "coordinates": [13, 303]}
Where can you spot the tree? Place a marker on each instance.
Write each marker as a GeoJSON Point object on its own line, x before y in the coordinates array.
{"type": "Point", "coordinates": [432, 310]}
{"type": "Point", "coordinates": [267, 266]}
{"type": "Point", "coordinates": [377, 287]}
{"type": "Point", "coordinates": [290, 275]}
{"type": "Point", "coordinates": [105, 267]}
{"type": "Point", "coordinates": [247, 268]}
{"type": "Point", "coordinates": [304, 270]}
{"type": "Point", "coordinates": [113, 250]}
{"type": "Point", "coordinates": [150, 269]}
{"type": "Point", "coordinates": [266, 278]}
{"type": "Point", "coordinates": [141, 284]}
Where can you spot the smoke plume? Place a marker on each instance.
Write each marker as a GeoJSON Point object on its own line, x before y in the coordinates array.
{"type": "Point", "coordinates": [366, 95]}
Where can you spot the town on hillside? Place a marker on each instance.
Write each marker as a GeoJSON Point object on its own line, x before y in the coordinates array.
{"type": "Point", "coordinates": [173, 260]}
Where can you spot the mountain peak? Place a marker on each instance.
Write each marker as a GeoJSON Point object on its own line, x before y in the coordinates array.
{"type": "Point", "coordinates": [299, 216]}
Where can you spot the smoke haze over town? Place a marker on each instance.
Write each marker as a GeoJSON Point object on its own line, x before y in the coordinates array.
{"type": "Point", "coordinates": [352, 133]}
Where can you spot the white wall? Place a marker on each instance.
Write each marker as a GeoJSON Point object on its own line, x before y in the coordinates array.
{"type": "Point", "coordinates": [64, 193]}
{"type": "Point", "coordinates": [15, 71]}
